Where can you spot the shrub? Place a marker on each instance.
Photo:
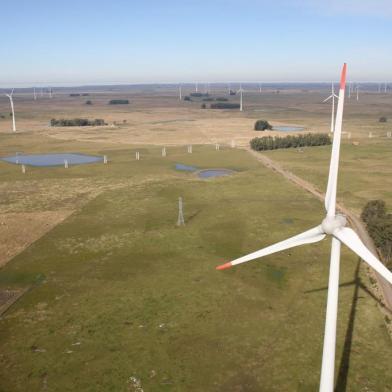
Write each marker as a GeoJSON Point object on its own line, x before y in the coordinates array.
{"type": "Point", "coordinates": [119, 102]}
{"type": "Point", "coordinates": [383, 119]}
{"type": "Point", "coordinates": [225, 105]}
{"type": "Point", "coordinates": [76, 122]}
{"type": "Point", "coordinates": [273, 143]}
{"type": "Point", "coordinates": [89, 102]}
{"type": "Point", "coordinates": [262, 125]}
{"type": "Point", "coordinates": [379, 226]}
{"type": "Point", "coordinates": [203, 106]}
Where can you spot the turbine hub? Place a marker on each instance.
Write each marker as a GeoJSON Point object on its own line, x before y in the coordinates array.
{"type": "Point", "coordinates": [331, 223]}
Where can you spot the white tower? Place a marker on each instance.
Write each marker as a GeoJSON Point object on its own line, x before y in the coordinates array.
{"type": "Point", "coordinates": [10, 96]}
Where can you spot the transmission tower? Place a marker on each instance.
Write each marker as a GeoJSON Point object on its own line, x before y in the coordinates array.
{"type": "Point", "coordinates": [180, 220]}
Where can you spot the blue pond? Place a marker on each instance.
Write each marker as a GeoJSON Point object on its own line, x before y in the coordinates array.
{"type": "Point", "coordinates": [215, 173]}
{"type": "Point", "coordinates": [287, 129]}
{"type": "Point", "coordinates": [51, 159]}
{"type": "Point", "coordinates": [180, 166]}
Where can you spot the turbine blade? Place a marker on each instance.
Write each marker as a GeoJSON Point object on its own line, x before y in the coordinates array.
{"type": "Point", "coordinates": [350, 238]}
{"type": "Point", "coordinates": [329, 346]}
{"type": "Point", "coordinates": [313, 235]}
{"type": "Point", "coordinates": [330, 196]}
{"type": "Point", "coordinates": [327, 99]}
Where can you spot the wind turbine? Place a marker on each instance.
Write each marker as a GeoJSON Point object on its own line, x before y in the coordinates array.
{"type": "Point", "coordinates": [241, 90]}
{"type": "Point", "coordinates": [332, 96]}
{"type": "Point", "coordinates": [12, 109]}
{"type": "Point", "coordinates": [35, 94]}
{"type": "Point", "coordinates": [180, 91]}
{"type": "Point", "coordinates": [357, 92]}
{"type": "Point", "coordinates": [334, 225]}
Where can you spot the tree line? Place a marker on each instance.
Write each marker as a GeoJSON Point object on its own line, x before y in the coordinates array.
{"type": "Point", "coordinates": [379, 226]}
{"type": "Point", "coordinates": [290, 141]}
{"type": "Point", "coordinates": [119, 102]}
{"type": "Point", "coordinates": [76, 122]}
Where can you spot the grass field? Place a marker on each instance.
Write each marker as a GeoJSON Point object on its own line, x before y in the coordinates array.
{"type": "Point", "coordinates": [118, 294]}
{"type": "Point", "coordinates": [118, 291]}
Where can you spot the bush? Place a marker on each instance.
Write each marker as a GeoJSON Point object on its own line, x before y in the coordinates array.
{"type": "Point", "coordinates": [273, 143]}
{"type": "Point", "coordinates": [119, 102]}
{"type": "Point", "coordinates": [203, 106]}
{"type": "Point", "coordinates": [262, 125]}
{"type": "Point", "coordinates": [379, 226]}
{"type": "Point", "coordinates": [89, 102]}
{"type": "Point", "coordinates": [383, 119]}
{"type": "Point", "coordinates": [76, 122]}
{"type": "Point", "coordinates": [225, 105]}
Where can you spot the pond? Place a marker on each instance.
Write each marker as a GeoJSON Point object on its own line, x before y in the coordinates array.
{"type": "Point", "coordinates": [51, 159]}
{"type": "Point", "coordinates": [287, 129]}
{"type": "Point", "coordinates": [180, 166]}
{"type": "Point", "coordinates": [209, 173]}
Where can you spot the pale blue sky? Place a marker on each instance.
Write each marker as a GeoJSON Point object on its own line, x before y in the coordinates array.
{"type": "Point", "coordinates": [101, 41]}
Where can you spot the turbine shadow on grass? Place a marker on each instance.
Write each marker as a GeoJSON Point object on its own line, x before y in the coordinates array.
{"type": "Point", "coordinates": [344, 366]}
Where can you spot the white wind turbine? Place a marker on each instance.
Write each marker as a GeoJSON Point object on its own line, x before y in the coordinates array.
{"type": "Point", "coordinates": [332, 96]}
{"type": "Point", "coordinates": [335, 226]}
{"type": "Point", "coordinates": [10, 96]}
{"type": "Point", "coordinates": [241, 91]}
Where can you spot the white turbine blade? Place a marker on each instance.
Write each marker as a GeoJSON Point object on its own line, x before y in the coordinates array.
{"type": "Point", "coordinates": [327, 99]}
{"type": "Point", "coordinates": [350, 238]}
{"type": "Point", "coordinates": [330, 196]}
{"type": "Point", "coordinates": [328, 362]}
{"type": "Point", "coordinates": [313, 235]}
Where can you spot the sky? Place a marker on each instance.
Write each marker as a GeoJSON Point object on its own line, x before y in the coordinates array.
{"type": "Point", "coordinates": [54, 42]}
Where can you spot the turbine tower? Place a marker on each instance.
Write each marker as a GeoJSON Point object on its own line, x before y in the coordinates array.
{"type": "Point", "coordinates": [332, 96]}
{"type": "Point", "coordinates": [35, 94]}
{"type": "Point", "coordinates": [334, 225]}
{"type": "Point", "coordinates": [180, 92]}
{"type": "Point", "coordinates": [180, 220]}
{"type": "Point", "coordinates": [241, 99]}
{"type": "Point", "coordinates": [10, 96]}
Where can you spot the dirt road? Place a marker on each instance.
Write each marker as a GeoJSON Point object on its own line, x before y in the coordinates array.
{"type": "Point", "coordinates": [384, 289]}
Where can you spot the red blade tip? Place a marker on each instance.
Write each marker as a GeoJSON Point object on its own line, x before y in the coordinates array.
{"type": "Point", "coordinates": [224, 266]}
{"type": "Point", "coordinates": [343, 77]}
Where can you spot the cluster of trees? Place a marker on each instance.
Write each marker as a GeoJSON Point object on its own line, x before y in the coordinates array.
{"type": "Point", "coordinates": [218, 99]}
{"type": "Point", "coordinates": [119, 102]}
{"type": "Point", "coordinates": [383, 119]}
{"type": "Point", "coordinates": [379, 226]}
{"type": "Point", "coordinates": [225, 105]}
{"type": "Point", "coordinates": [199, 95]}
{"type": "Point", "coordinates": [76, 122]}
{"type": "Point", "coordinates": [273, 143]}
{"type": "Point", "coordinates": [78, 95]}
{"type": "Point", "coordinates": [262, 125]}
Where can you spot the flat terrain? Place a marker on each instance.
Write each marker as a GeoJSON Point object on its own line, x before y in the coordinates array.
{"type": "Point", "coordinates": [117, 293]}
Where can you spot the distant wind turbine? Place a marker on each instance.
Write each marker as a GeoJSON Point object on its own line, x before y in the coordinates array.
{"type": "Point", "coordinates": [241, 90]}
{"type": "Point", "coordinates": [334, 225]}
{"type": "Point", "coordinates": [35, 94]}
{"type": "Point", "coordinates": [357, 92]}
{"type": "Point", "coordinates": [10, 96]}
{"type": "Point", "coordinates": [332, 96]}
{"type": "Point", "coordinates": [180, 91]}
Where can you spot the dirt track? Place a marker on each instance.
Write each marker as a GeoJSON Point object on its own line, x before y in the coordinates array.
{"type": "Point", "coordinates": [385, 289]}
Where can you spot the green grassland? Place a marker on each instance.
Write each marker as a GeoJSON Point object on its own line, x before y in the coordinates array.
{"type": "Point", "coordinates": [365, 169]}
{"type": "Point", "coordinates": [118, 291]}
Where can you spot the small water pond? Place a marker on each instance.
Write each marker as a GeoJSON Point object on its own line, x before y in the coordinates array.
{"type": "Point", "coordinates": [209, 173]}
{"type": "Point", "coordinates": [51, 159]}
{"type": "Point", "coordinates": [288, 129]}
{"type": "Point", "coordinates": [180, 166]}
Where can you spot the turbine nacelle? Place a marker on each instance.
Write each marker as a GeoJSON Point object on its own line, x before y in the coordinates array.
{"type": "Point", "coordinates": [331, 223]}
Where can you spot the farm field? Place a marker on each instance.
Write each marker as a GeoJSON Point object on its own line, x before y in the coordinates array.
{"type": "Point", "coordinates": [117, 293]}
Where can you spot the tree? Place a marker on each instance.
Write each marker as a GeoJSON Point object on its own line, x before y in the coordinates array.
{"type": "Point", "coordinates": [383, 119]}
{"type": "Point", "coordinates": [262, 125]}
